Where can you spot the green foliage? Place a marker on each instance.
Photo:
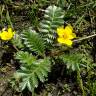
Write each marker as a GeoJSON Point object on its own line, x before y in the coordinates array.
{"type": "Point", "coordinates": [80, 13]}
{"type": "Point", "coordinates": [32, 14]}
{"type": "Point", "coordinates": [5, 16]}
{"type": "Point", "coordinates": [2, 7]}
{"type": "Point", "coordinates": [73, 61]}
{"type": "Point", "coordinates": [17, 41]}
{"type": "Point", "coordinates": [33, 41]}
{"type": "Point", "coordinates": [7, 1]}
{"type": "Point", "coordinates": [93, 89]}
{"type": "Point", "coordinates": [25, 57]}
{"type": "Point", "coordinates": [53, 18]}
{"type": "Point", "coordinates": [30, 75]}
{"type": "Point", "coordinates": [8, 18]}
{"type": "Point", "coordinates": [66, 87]}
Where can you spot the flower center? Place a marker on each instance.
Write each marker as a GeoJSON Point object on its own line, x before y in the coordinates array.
{"type": "Point", "coordinates": [65, 36]}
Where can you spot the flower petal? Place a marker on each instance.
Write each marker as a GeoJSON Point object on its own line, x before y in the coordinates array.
{"type": "Point", "coordinates": [60, 31]}
{"type": "Point", "coordinates": [9, 30]}
{"type": "Point", "coordinates": [3, 35]}
{"type": "Point", "coordinates": [69, 29]}
{"type": "Point", "coordinates": [71, 36]}
{"type": "Point", "coordinates": [74, 35]}
{"type": "Point", "coordinates": [0, 33]}
{"type": "Point", "coordinates": [65, 41]}
{"type": "Point", "coordinates": [6, 35]}
{"type": "Point", "coordinates": [61, 40]}
{"type": "Point", "coordinates": [68, 42]}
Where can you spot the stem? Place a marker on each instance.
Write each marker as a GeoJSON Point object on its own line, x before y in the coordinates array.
{"type": "Point", "coordinates": [84, 38]}
{"type": "Point", "coordinates": [80, 83]}
{"type": "Point", "coordinates": [15, 48]}
{"type": "Point", "coordinates": [33, 93]}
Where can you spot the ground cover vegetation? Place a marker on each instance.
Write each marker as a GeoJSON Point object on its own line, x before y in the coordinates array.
{"type": "Point", "coordinates": [47, 48]}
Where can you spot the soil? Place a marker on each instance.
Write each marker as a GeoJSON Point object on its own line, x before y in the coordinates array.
{"type": "Point", "coordinates": [6, 72]}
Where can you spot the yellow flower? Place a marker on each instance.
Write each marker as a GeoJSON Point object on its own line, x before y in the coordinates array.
{"type": "Point", "coordinates": [7, 34]}
{"type": "Point", "coordinates": [65, 35]}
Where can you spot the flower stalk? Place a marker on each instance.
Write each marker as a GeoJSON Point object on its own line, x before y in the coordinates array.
{"type": "Point", "coordinates": [84, 38]}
